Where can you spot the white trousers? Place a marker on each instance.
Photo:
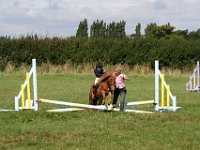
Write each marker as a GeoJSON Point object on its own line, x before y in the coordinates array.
{"type": "Point", "coordinates": [96, 80]}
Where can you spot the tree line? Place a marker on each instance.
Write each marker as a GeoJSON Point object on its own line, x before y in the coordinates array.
{"type": "Point", "coordinates": [177, 49]}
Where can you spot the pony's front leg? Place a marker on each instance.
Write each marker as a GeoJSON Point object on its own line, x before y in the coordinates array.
{"type": "Point", "coordinates": [103, 98]}
{"type": "Point", "coordinates": [111, 94]}
{"type": "Point", "coordinates": [110, 97]}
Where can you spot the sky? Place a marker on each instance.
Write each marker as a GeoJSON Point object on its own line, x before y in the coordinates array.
{"type": "Point", "coordinates": [62, 17]}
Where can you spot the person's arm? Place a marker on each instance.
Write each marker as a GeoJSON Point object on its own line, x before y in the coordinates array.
{"type": "Point", "coordinates": [126, 77]}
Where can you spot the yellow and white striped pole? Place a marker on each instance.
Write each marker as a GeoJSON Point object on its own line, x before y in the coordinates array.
{"type": "Point", "coordinates": [168, 97]}
{"type": "Point", "coordinates": [28, 90]}
{"type": "Point", "coordinates": [162, 90]}
{"type": "Point", "coordinates": [22, 98]}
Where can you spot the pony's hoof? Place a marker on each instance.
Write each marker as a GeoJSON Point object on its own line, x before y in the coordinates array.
{"type": "Point", "coordinates": [110, 107]}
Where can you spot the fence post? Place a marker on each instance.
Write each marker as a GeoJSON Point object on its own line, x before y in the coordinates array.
{"type": "Point", "coordinates": [156, 85]}
{"type": "Point", "coordinates": [198, 83]}
{"type": "Point", "coordinates": [35, 96]}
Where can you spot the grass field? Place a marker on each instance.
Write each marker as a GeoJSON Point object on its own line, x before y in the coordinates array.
{"type": "Point", "coordinates": [29, 130]}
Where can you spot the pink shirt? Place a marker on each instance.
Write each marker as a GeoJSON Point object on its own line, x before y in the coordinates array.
{"type": "Point", "coordinates": [119, 81]}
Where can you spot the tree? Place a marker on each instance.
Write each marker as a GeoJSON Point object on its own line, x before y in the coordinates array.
{"type": "Point", "coordinates": [149, 28]}
{"type": "Point", "coordinates": [138, 30]}
{"type": "Point", "coordinates": [121, 30]}
{"type": "Point", "coordinates": [111, 30]}
{"type": "Point", "coordinates": [194, 35]}
{"type": "Point", "coordinates": [82, 29]}
{"type": "Point", "coordinates": [159, 31]}
{"type": "Point", "coordinates": [182, 33]}
{"type": "Point", "coordinates": [116, 30]}
{"type": "Point", "coordinates": [98, 29]}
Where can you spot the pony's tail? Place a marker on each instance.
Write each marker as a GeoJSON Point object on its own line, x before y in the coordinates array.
{"type": "Point", "coordinates": [91, 96]}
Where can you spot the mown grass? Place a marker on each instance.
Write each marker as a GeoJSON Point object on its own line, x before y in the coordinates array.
{"type": "Point", "coordinates": [92, 129]}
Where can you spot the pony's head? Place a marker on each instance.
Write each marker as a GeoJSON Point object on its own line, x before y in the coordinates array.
{"type": "Point", "coordinates": [111, 81]}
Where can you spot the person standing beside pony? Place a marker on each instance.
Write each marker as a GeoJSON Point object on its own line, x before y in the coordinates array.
{"type": "Point", "coordinates": [120, 87]}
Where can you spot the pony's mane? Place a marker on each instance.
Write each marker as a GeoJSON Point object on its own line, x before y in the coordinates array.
{"type": "Point", "coordinates": [104, 77]}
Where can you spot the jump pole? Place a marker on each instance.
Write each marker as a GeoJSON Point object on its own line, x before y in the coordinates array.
{"type": "Point", "coordinates": [114, 109]}
{"type": "Point", "coordinates": [98, 107]}
{"type": "Point", "coordinates": [84, 106]}
{"type": "Point", "coordinates": [65, 110]}
{"type": "Point", "coordinates": [139, 103]}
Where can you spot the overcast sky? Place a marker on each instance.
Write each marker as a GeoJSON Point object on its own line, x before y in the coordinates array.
{"type": "Point", "coordinates": [62, 17]}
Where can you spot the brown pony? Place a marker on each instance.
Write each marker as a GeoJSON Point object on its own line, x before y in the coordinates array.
{"type": "Point", "coordinates": [105, 86]}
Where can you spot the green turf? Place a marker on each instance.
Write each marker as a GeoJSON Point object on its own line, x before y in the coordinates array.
{"type": "Point", "coordinates": [85, 130]}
